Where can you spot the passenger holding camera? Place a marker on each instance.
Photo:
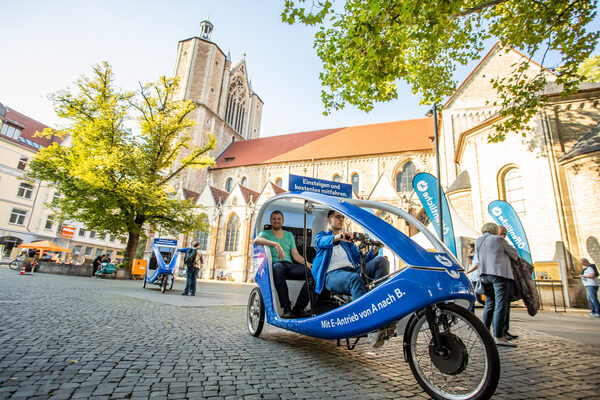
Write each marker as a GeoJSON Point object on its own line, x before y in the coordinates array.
{"type": "Point", "coordinates": [337, 263]}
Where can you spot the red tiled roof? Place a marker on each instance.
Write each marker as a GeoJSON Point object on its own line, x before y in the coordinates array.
{"type": "Point", "coordinates": [277, 189]}
{"type": "Point", "coordinates": [249, 194]}
{"type": "Point", "coordinates": [389, 137]}
{"type": "Point", "coordinates": [30, 127]}
{"type": "Point", "coordinates": [190, 194]}
{"type": "Point", "coordinates": [218, 194]}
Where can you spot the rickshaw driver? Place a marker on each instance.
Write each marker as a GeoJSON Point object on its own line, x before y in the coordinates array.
{"type": "Point", "coordinates": [283, 251]}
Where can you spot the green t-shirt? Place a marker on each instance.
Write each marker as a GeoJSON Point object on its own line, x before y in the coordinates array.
{"type": "Point", "coordinates": [287, 243]}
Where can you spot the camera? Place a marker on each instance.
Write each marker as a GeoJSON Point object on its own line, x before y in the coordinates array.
{"type": "Point", "coordinates": [346, 235]}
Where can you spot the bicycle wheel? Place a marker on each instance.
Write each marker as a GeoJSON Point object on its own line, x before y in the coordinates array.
{"type": "Point", "coordinates": [256, 312]}
{"type": "Point", "coordinates": [163, 284]}
{"type": "Point", "coordinates": [14, 264]}
{"type": "Point", "coordinates": [467, 368]}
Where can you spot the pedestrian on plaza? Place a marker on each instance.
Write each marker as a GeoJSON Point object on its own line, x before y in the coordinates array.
{"type": "Point", "coordinates": [589, 278]}
{"type": "Point", "coordinates": [507, 335]}
{"type": "Point", "coordinates": [283, 254]}
{"type": "Point", "coordinates": [494, 256]}
{"type": "Point", "coordinates": [96, 263]}
{"type": "Point", "coordinates": [472, 269]}
{"type": "Point", "coordinates": [193, 262]}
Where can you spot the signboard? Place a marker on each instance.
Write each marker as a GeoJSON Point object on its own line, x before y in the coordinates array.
{"type": "Point", "coordinates": [426, 188]}
{"type": "Point", "coordinates": [505, 215]}
{"type": "Point", "coordinates": [67, 232]}
{"type": "Point", "coordinates": [164, 242]}
{"type": "Point", "coordinates": [330, 188]}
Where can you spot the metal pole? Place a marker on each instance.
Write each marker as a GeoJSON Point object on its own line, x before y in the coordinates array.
{"type": "Point", "coordinates": [439, 176]}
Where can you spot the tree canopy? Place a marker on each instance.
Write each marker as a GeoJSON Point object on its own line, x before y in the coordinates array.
{"type": "Point", "coordinates": [368, 45]}
{"type": "Point", "coordinates": [116, 179]}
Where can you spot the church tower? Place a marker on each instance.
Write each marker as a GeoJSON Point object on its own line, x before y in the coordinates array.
{"type": "Point", "coordinates": [226, 104]}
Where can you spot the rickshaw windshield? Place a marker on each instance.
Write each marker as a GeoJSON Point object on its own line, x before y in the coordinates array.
{"type": "Point", "coordinates": [359, 212]}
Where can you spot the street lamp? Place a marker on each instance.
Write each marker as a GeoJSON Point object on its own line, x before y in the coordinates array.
{"type": "Point", "coordinates": [433, 113]}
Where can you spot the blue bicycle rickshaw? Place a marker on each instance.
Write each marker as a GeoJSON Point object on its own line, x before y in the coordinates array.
{"type": "Point", "coordinates": [162, 262]}
{"type": "Point", "coordinates": [424, 298]}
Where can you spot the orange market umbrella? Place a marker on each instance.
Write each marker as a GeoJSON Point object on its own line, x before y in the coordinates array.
{"type": "Point", "coordinates": [44, 245]}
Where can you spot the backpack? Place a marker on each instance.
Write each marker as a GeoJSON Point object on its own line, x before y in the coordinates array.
{"type": "Point", "coordinates": [190, 257]}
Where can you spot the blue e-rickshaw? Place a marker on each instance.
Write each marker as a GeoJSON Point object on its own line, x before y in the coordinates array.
{"type": "Point", "coordinates": [161, 263]}
{"type": "Point", "coordinates": [424, 298]}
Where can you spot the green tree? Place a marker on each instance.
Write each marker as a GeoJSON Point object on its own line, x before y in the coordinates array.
{"type": "Point", "coordinates": [116, 179]}
{"type": "Point", "coordinates": [590, 69]}
{"type": "Point", "coordinates": [370, 44]}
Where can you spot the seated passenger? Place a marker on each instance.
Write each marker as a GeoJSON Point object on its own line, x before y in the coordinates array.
{"type": "Point", "coordinates": [283, 250]}
{"type": "Point", "coordinates": [337, 263]}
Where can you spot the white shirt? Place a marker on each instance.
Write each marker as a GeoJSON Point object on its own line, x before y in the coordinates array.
{"type": "Point", "coordinates": [589, 281]}
{"type": "Point", "coordinates": [474, 276]}
{"type": "Point", "coordinates": [339, 259]}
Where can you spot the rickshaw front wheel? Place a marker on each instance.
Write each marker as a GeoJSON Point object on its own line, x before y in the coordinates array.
{"type": "Point", "coordinates": [163, 284]}
{"type": "Point", "coordinates": [256, 312]}
{"type": "Point", "coordinates": [464, 366]}
{"type": "Point", "coordinates": [144, 279]}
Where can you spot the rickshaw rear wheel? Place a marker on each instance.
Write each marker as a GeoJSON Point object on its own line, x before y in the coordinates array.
{"type": "Point", "coordinates": [144, 279]}
{"type": "Point", "coordinates": [468, 365]}
{"type": "Point", "coordinates": [256, 312]}
{"type": "Point", "coordinates": [172, 282]}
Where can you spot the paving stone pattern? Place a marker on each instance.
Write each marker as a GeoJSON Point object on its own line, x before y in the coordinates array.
{"type": "Point", "coordinates": [67, 337]}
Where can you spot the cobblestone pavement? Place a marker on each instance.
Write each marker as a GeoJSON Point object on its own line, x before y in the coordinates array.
{"type": "Point", "coordinates": [72, 337]}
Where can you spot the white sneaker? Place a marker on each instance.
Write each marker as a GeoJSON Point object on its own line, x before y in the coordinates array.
{"type": "Point", "coordinates": [504, 342]}
{"type": "Point", "coordinates": [376, 339]}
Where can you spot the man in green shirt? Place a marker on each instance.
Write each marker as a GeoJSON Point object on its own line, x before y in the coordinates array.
{"type": "Point", "coordinates": [283, 255]}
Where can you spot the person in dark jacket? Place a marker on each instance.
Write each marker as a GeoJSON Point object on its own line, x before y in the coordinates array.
{"type": "Point", "coordinates": [96, 263]}
{"type": "Point", "coordinates": [494, 255]}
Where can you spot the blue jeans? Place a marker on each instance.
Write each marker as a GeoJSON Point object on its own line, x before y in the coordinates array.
{"type": "Point", "coordinates": [347, 280]}
{"type": "Point", "coordinates": [283, 270]}
{"type": "Point", "coordinates": [190, 280]}
{"type": "Point", "coordinates": [592, 298]}
{"type": "Point", "coordinates": [496, 290]}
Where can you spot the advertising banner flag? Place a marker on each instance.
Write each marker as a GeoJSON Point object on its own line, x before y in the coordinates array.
{"type": "Point", "coordinates": [67, 231]}
{"type": "Point", "coordinates": [426, 188]}
{"type": "Point", "coordinates": [505, 215]}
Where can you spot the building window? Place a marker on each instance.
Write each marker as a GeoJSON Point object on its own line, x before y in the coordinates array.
{"type": "Point", "coordinates": [233, 233]}
{"type": "Point", "coordinates": [404, 179]}
{"type": "Point", "coordinates": [111, 239]}
{"type": "Point", "coordinates": [56, 197]}
{"type": "Point", "coordinates": [513, 190]}
{"type": "Point", "coordinates": [202, 238]}
{"type": "Point", "coordinates": [355, 182]}
{"type": "Point", "coordinates": [109, 253]}
{"type": "Point", "coordinates": [244, 181]}
{"type": "Point", "coordinates": [17, 216]}
{"type": "Point", "coordinates": [25, 191]}
{"type": "Point", "coordinates": [49, 223]}
{"type": "Point", "coordinates": [22, 163]}
{"type": "Point", "coordinates": [92, 234]}
{"type": "Point", "coordinates": [99, 252]}
{"type": "Point", "coordinates": [11, 131]}
{"type": "Point", "coordinates": [279, 182]}
{"type": "Point", "coordinates": [89, 251]}
{"type": "Point", "coordinates": [337, 178]}
{"type": "Point", "coordinates": [228, 184]}
{"type": "Point", "coordinates": [81, 232]}
{"type": "Point", "coordinates": [77, 249]}
{"type": "Point", "coordinates": [235, 111]}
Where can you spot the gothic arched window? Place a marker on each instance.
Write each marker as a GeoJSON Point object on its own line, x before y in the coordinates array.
{"type": "Point", "coordinates": [404, 179]}
{"type": "Point", "coordinates": [244, 181]}
{"type": "Point", "coordinates": [202, 238]}
{"type": "Point", "coordinates": [235, 111]}
{"type": "Point", "coordinates": [228, 184]}
{"type": "Point", "coordinates": [233, 233]}
{"type": "Point", "coordinates": [512, 190]}
{"type": "Point", "coordinates": [337, 178]}
{"type": "Point", "coordinates": [355, 182]}
{"type": "Point", "coordinates": [279, 182]}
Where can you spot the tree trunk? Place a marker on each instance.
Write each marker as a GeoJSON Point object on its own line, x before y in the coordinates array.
{"type": "Point", "coordinates": [133, 240]}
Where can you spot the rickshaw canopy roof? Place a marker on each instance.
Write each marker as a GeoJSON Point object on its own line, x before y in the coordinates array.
{"type": "Point", "coordinates": [44, 245]}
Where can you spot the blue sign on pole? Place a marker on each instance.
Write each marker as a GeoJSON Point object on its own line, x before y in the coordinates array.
{"type": "Point", "coordinates": [305, 184]}
{"type": "Point", "coordinates": [426, 188]}
{"type": "Point", "coordinates": [505, 215]}
{"type": "Point", "coordinates": [164, 242]}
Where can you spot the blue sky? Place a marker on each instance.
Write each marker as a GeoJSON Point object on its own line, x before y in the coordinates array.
{"type": "Point", "coordinates": [48, 44]}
